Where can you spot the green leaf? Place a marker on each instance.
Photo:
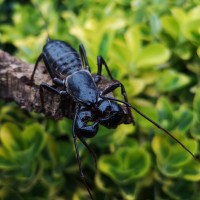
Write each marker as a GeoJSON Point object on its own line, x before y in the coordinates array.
{"type": "Point", "coordinates": [5, 160]}
{"type": "Point", "coordinates": [171, 26]}
{"type": "Point", "coordinates": [170, 171]}
{"type": "Point", "coordinates": [126, 129]}
{"type": "Point", "coordinates": [165, 113]}
{"type": "Point", "coordinates": [151, 55]}
{"type": "Point", "coordinates": [198, 52]}
{"type": "Point", "coordinates": [180, 15]}
{"type": "Point", "coordinates": [155, 24]}
{"type": "Point", "coordinates": [133, 40]}
{"type": "Point", "coordinates": [180, 190]}
{"type": "Point", "coordinates": [125, 165]}
{"type": "Point", "coordinates": [184, 51]}
{"type": "Point", "coordinates": [196, 103]}
{"type": "Point", "coordinates": [170, 80]}
{"type": "Point", "coordinates": [34, 137]}
{"type": "Point", "coordinates": [105, 45]}
{"type": "Point", "coordinates": [195, 127]}
{"type": "Point", "coordinates": [10, 137]}
{"type": "Point", "coordinates": [104, 183]}
{"type": "Point", "coordinates": [173, 158]}
{"type": "Point", "coordinates": [148, 110]}
{"type": "Point", "coordinates": [161, 148]}
{"type": "Point", "coordinates": [19, 148]}
{"type": "Point", "coordinates": [184, 118]}
{"type": "Point", "coordinates": [135, 86]}
{"type": "Point", "coordinates": [191, 31]}
{"type": "Point", "coordinates": [129, 191]}
{"type": "Point", "coordinates": [64, 126]}
{"type": "Point", "coordinates": [179, 156]}
{"type": "Point", "coordinates": [191, 171]}
{"type": "Point", "coordinates": [7, 193]}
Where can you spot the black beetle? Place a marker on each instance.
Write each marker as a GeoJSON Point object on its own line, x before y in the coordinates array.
{"type": "Point", "coordinates": [69, 69]}
{"type": "Point", "coordinates": [93, 106]}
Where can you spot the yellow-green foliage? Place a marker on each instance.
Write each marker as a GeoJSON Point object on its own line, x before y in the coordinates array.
{"type": "Point", "coordinates": [153, 47]}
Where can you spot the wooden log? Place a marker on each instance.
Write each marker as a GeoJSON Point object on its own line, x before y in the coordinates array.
{"type": "Point", "coordinates": [15, 86]}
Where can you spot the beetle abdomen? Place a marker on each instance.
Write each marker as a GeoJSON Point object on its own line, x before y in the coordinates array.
{"type": "Point", "coordinates": [61, 58]}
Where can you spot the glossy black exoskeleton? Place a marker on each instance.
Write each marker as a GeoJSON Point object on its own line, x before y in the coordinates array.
{"type": "Point", "coordinates": [67, 68]}
{"type": "Point", "coordinates": [71, 70]}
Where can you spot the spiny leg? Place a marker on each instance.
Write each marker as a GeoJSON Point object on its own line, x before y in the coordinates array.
{"type": "Point", "coordinates": [35, 67]}
{"type": "Point", "coordinates": [78, 157]}
{"type": "Point", "coordinates": [114, 86]}
{"type": "Point", "coordinates": [84, 57]}
{"type": "Point", "coordinates": [90, 150]}
{"type": "Point", "coordinates": [58, 81]}
{"type": "Point", "coordinates": [101, 62]}
{"type": "Point", "coordinates": [42, 56]}
{"type": "Point", "coordinates": [50, 88]}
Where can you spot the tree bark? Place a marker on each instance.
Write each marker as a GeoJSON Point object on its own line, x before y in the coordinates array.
{"type": "Point", "coordinates": [15, 85]}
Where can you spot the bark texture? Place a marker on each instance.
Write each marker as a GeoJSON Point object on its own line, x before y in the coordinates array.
{"type": "Point", "coordinates": [15, 86]}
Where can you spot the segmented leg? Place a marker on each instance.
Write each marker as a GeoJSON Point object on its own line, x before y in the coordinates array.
{"type": "Point", "coordinates": [84, 57]}
{"type": "Point", "coordinates": [101, 62]}
{"type": "Point", "coordinates": [90, 150]}
{"type": "Point", "coordinates": [58, 81]}
{"type": "Point", "coordinates": [42, 56]}
{"type": "Point", "coordinates": [78, 157]}
{"type": "Point", "coordinates": [35, 67]}
{"type": "Point", "coordinates": [50, 88]}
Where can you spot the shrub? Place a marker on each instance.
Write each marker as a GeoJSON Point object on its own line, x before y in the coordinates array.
{"type": "Point", "coordinates": [153, 48]}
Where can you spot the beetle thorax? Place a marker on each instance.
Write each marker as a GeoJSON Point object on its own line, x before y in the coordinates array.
{"type": "Point", "coordinates": [81, 86]}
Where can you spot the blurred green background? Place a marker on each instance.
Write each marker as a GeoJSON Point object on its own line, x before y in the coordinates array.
{"type": "Point", "coordinates": [153, 47]}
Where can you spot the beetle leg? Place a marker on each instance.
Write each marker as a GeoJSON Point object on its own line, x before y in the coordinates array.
{"type": "Point", "coordinates": [77, 155]}
{"type": "Point", "coordinates": [83, 130]}
{"type": "Point", "coordinates": [49, 68]}
{"type": "Point", "coordinates": [50, 88]}
{"type": "Point", "coordinates": [90, 150]}
{"type": "Point", "coordinates": [114, 86]}
{"type": "Point", "coordinates": [58, 81]}
{"type": "Point", "coordinates": [84, 57]}
{"type": "Point", "coordinates": [35, 67]}
{"type": "Point", "coordinates": [100, 63]}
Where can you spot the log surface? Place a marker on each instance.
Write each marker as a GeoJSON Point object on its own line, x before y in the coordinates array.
{"type": "Point", "coordinates": [15, 86]}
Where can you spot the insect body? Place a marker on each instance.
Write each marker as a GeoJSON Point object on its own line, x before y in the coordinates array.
{"type": "Point", "coordinates": [69, 69]}
{"type": "Point", "coordinates": [93, 106]}
{"type": "Point", "coordinates": [66, 68]}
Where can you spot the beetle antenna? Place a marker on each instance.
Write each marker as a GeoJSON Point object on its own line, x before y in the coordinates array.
{"type": "Point", "coordinates": [153, 122]}
{"type": "Point", "coordinates": [44, 19]}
